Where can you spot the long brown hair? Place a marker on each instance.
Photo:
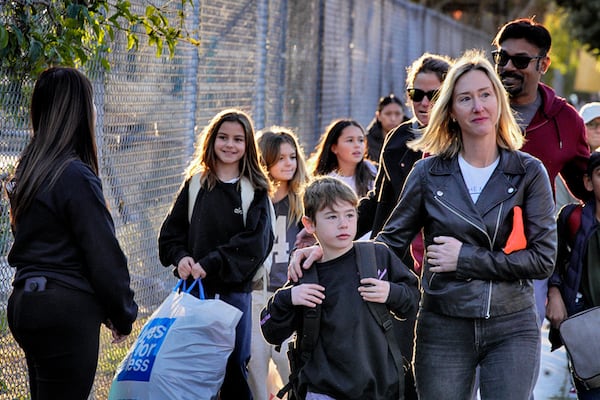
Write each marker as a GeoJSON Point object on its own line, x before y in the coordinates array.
{"type": "Point", "coordinates": [205, 158]}
{"type": "Point", "coordinates": [269, 143]}
{"type": "Point", "coordinates": [62, 117]}
{"type": "Point", "coordinates": [325, 161]}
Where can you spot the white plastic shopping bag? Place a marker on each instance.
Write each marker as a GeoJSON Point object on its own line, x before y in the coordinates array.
{"type": "Point", "coordinates": [181, 352]}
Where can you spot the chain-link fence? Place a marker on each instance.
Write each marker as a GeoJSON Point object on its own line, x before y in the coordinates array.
{"type": "Point", "coordinates": [287, 62]}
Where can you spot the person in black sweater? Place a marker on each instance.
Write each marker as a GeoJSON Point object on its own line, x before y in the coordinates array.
{"type": "Point", "coordinates": [389, 114]}
{"type": "Point", "coordinates": [215, 237]}
{"type": "Point", "coordinates": [351, 358]}
{"type": "Point", "coordinates": [71, 274]}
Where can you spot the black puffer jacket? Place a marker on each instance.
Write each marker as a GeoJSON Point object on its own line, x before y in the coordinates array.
{"type": "Point", "coordinates": [487, 281]}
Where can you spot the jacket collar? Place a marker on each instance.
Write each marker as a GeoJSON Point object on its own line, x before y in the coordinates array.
{"type": "Point", "coordinates": [510, 163]}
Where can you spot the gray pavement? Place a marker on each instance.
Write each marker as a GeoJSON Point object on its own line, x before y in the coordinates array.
{"type": "Point", "coordinates": [554, 382]}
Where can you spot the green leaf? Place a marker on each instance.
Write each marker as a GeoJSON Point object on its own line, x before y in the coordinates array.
{"type": "Point", "coordinates": [73, 11]}
{"type": "Point", "coordinates": [132, 41]}
{"type": "Point", "coordinates": [35, 50]}
{"type": "Point", "coordinates": [159, 47]}
{"type": "Point", "coordinates": [3, 37]}
{"type": "Point", "coordinates": [36, 33]}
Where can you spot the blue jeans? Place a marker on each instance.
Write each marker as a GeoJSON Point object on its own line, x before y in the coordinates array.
{"type": "Point", "coordinates": [235, 385]}
{"type": "Point", "coordinates": [448, 350]}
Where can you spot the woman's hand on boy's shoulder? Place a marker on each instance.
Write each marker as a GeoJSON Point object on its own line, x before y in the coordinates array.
{"type": "Point", "coordinates": [303, 258]}
{"type": "Point", "coordinates": [308, 295]}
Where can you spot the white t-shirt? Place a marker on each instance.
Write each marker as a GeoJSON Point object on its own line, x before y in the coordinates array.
{"type": "Point", "coordinates": [475, 178]}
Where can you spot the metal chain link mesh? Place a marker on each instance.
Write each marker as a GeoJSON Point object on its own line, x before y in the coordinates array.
{"type": "Point", "coordinates": [291, 63]}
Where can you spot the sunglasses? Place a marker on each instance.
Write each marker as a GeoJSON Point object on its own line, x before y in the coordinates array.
{"type": "Point", "coordinates": [520, 62]}
{"type": "Point", "coordinates": [417, 95]}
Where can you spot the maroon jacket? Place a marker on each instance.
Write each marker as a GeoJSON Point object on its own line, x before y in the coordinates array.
{"type": "Point", "coordinates": [556, 135]}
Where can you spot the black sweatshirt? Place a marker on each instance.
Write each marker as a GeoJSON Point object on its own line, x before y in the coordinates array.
{"type": "Point", "coordinates": [67, 234]}
{"type": "Point", "coordinates": [217, 239]}
{"type": "Point", "coordinates": [351, 359]}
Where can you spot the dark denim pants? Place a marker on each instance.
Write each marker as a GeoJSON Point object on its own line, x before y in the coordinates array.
{"type": "Point", "coordinates": [235, 385]}
{"type": "Point", "coordinates": [58, 329]}
{"type": "Point", "coordinates": [448, 350]}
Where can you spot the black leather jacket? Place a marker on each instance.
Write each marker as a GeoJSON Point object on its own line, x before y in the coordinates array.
{"type": "Point", "coordinates": [487, 282]}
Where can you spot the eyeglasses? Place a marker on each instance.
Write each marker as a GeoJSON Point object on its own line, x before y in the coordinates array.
{"type": "Point", "coordinates": [501, 58]}
{"type": "Point", "coordinates": [417, 95]}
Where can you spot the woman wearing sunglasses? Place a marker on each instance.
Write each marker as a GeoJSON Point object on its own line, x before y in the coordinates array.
{"type": "Point", "coordinates": [487, 216]}
{"type": "Point", "coordinates": [424, 78]}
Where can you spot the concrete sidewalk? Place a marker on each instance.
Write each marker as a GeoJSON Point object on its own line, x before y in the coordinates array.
{"type": "Point", "coordinates": [554, 382]}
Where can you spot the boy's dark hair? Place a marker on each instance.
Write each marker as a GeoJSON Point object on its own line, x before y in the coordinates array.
{"type": "Point", "coordinates": [528, 29]}
{"type": "Point", "coordinates": [593, 163]}
{"type": "Point", "coordinates": [325, 191]}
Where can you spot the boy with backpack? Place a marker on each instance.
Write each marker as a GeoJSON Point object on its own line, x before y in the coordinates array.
{"type": "Point", "coordinates": [345, 347]}
{"type": "Point", "coordinates": [575, 284]}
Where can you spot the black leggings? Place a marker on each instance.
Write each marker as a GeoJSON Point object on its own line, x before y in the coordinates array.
{"type": "Point", "coordinates": [58, 329]}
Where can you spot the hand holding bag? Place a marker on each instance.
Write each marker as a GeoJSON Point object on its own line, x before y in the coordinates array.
{"type": "Point", "coordinates": [181, 352]}
{"type": "Point", "coordinates": [580, 334]}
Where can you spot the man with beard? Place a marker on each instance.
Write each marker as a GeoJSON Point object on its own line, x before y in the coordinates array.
{"type": "Point", "coordinates": [554, 131]}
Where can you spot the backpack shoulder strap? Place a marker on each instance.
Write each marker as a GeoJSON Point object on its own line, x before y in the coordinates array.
{"type": "Point", "coordinates": [311, 319]}
{"type": "Point", "coordinates": [193, 189]}
{"type": "Point", "coordinates": [367, 268]}
{"type": "Point", "coordinates": [301, 349]}
{"type": "Point", "coordinates": [247, 197]}
{"type": "Point", "coordinates": [247, 194]}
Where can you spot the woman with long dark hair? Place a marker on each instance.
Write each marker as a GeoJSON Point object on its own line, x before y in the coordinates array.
{"type": "Point", "coordinates": [71, 274]}
{"type": "Point", "coordinates": [341, 153]}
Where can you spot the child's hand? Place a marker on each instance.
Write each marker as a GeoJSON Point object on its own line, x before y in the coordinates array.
{"type": "Point", "coordinates": [374, 290]}
{"type": "Point", "coordinates": [187, 267]}
{"type": "Point", "coordinates": [198, 271]}
{"type": "Point", "coordinates": [308, 294]}
{"type": "Point", "coordinates": [184, 268]}
{"type": "Point", "coordinates": [556, 311]}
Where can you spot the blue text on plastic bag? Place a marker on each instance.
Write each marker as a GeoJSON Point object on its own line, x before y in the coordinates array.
{"type": "Point", "coordinates": [139, 364]}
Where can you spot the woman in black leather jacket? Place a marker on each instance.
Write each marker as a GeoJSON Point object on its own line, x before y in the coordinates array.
{"type": "Point", "coordinates": [486, 210]}
{"type": "Point", "coordinates": [487, 214]}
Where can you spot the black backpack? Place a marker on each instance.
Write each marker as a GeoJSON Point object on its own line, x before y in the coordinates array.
{"type": "Point", "coordinates": [300, 349]}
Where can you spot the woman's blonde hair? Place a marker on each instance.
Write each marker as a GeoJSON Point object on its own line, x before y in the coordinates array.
{"type": "Point", "coordinates": [205, 158]}
{"type": "Point", "coordinates": [269, 143]}
{"type": "Point", "coordinates": [442, 136]}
